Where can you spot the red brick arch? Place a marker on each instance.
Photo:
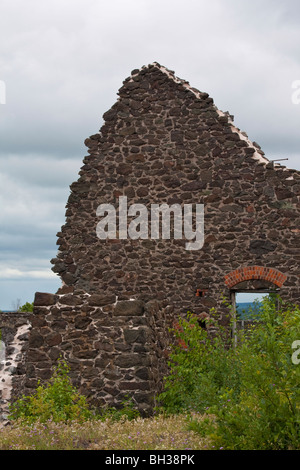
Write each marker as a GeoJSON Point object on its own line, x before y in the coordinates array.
{"type": "Point", "coordinates": [254, 272]}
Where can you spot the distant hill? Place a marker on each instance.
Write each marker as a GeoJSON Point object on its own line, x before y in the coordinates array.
{"type": "Point", "coordinates": [246, 310]}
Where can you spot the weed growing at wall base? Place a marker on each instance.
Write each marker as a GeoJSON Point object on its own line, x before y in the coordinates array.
{"type": "Point", "coordinates": [58, 400]}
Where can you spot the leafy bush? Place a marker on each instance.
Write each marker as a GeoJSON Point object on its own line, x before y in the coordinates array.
{"type": "Point", "coordinates": [58, 401]}
{"type": "Point", "coordinates": [127, 411]}
{"type": "Point", "coordinates": [251, 391]}
{"type": "Point", "coordinates": [202, 367]}
{"type": "Point", "coordinates": [27, 307]}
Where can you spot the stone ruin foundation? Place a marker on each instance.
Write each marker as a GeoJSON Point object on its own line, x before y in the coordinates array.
{"type": "Point", "coordinates": [162, 142]}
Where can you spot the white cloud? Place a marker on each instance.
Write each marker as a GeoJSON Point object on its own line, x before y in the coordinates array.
{"type": "Point", "coordinates": [12, 273]}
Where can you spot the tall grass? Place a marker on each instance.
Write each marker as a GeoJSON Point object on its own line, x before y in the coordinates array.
{"type": "Point", "coordinates": [57, 417]}
{"type": "Point", "coordinates": [162, 432]}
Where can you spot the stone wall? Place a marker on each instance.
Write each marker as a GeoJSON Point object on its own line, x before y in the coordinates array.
{"type": "Point", "coordinates": [163, 141]}
{"type": "Point", "coordinates": [115, 348]}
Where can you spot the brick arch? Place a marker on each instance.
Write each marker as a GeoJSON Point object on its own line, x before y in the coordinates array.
{"type": "Point", "coordinates": [254, 272]}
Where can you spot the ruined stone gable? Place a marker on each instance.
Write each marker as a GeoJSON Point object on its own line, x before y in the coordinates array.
{"type": "Point", "coordinates": [162, 142]}
{"type": "Point", "coordinates": [165, 142]}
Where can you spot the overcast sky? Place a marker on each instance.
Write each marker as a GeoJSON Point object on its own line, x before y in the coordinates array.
{"type": "Point", "coordinates": [61, 65]}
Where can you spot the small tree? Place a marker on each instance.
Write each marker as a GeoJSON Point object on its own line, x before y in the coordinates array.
{"type": "Point", "coordinates": [27, 307]}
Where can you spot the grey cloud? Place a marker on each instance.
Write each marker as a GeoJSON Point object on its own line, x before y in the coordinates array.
{"type": "Point", "coordinates": [52, 175]}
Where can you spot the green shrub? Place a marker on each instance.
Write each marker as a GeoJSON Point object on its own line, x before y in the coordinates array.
{"type": "Point", "coordinates": [127, 411]}
{"type": "Point", "coordinates": [58, 401]}
{"type": "Point", "coordinates": [27, 307]}
{"type": "Point", "coordinates": [251, 392]}
{"type": "Point", "coordinates": [201, 368]}
{"type": "Point", "coordinates": [266, 414]}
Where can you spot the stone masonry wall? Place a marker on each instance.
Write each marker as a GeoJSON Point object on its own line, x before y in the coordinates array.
{"type": "Point", "coordinates": [163, 141]}
{"type": "Point", "coordinates": [166, 142]}
{"type": "Point", "coordinates": [114, 348]}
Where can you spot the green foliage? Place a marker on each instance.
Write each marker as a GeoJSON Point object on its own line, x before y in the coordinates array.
{"type": "Point", "coordinates": [58, 401]}
{"type": "Point", "coordinates": [126, 411]}
{"type": "Point", "coordinates": [251, 391]}
{"type": "Point", "coordinates": [27, 307]}
{"type": "Point", "coordinates": [267, 412]}
{"type": "Point", "coordinates": [201, 368]}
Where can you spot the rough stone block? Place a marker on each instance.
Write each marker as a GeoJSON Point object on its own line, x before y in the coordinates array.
{"type": "Point", "coordinates": [44, 299]}
{"type": "Point", "coordinates": [131, 360]}
{"type": "Point", "coordinates": [98, 300]}
{"type": "Point", "coordinates": [129, 308]}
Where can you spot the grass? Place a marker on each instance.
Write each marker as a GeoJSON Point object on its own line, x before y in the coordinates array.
{"type": "Point", "coordinates": [161, 432]}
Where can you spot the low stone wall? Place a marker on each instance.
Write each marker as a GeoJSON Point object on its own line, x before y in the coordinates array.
{"type": "Point", "coordinates": [114, 348]}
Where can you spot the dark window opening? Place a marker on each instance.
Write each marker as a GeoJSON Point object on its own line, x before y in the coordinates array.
{"type": "Point", "coordinates": [202, 324]}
